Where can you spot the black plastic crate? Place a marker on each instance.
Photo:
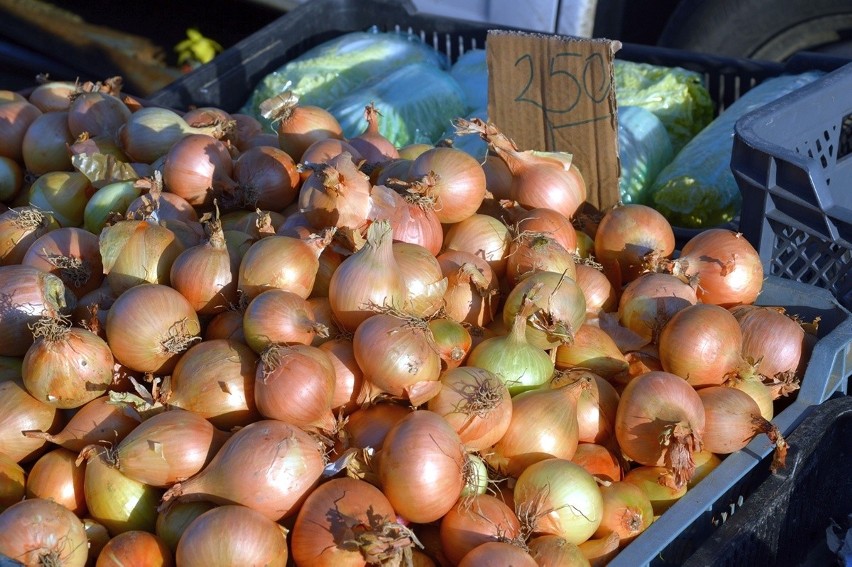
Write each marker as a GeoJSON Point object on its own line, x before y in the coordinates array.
{"type": "Point", "coordinates": [784, 522]}
{"type": "Point", "coordinates": [791, 161]}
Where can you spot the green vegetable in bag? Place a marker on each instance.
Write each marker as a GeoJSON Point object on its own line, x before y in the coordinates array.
{"type": "Point", "coordinates": [644, 148]}
{"type": "Point", "coordinates": [471, 72]}
{"type": "Point", "coordinates": [697, 189]}
{"type": "Point", "coordinates": [676, 96]}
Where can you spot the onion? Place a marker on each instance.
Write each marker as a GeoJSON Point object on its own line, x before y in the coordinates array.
{"type": "Point", "coordinates": [648, 302]}
{"type": "Point", "coordinates": [97, 114]}
{"type": "Point", "coordinates": [323, 150]}
{"type": "Point", "coordinates": [771, 339]}
{"type": "Point", "coordinates": [267, 178]}
{"type": "Point", "coordinates": [472, 288]}
{"type": "Point", "coordinates": [348, 522]}
{"type": "Point", "coordinates": [561, 308]}
{"type": "Point", "coordinates": [108, 200]}
{"type": "Point", "coordinates": [733, 419]}
{"type": "Point", "coordinates": [98, 537]}
{"type": "Point", "coordinates": [281, 262]}
{"type": "Point", "coordinates": [66, 366]}
{"type": "Point", "coordinates": [226, 325]}
{"type": "Point", "coordinates": [420, 470]}
{"type": "Point", "coordinates": [397, 357]}
{"type": "Point", "coordinates": [544, 425]}
{"type": "Point", "coordinates": [369, 276]}
{"type": "Point", "coordinates": [42, 532]}
{"type": "Point", "coordinates": [762, 394]}
{"type": "Point", "coordinates": [299, 126]}
{"type": "Point", "coordinates": [369, 425]}
{"type": "Point", "coordinates": [596, 405]}
{"type": "Point", "coordinates": [371, 143]}
{"type": "Point", "coordinates": [705, 463]}
{"type": "Point", "coordinates": [149, 133]}
{"type": "Point", "coordinates": [11, 179]}
{"type": "Point", "coordinates": [702, 344]}
{"type": "Point", "coordinates": [173, 522]}
{"type": "Point", "coordinates": [535, 252]}
{"type": "Point", "coordinates": [167, 447]}
{"type": "Point", "coordinates": [269, 466]}
{"type": "Point", "coordinates": [593, 349]}
{"type": "Point", "coordinates": [422, 278]}
{"type": "Point", "coordinates": [149, 326]}
{"type": "Point", "coordinates": [474, 521]}
{"type": "Point", "coordinates": [52, 96]}
{"type": "Point", "coordinates": [215, 379]}
{"type": "Point", "coordinates": [278, 317]}
{"type": "Point", "coordinates": [134, 252]}
{"type": "Point", "coordinates": [483, 236]}
{"type": "Point", "coordinates": [348, 377]}
{"type": "Point", "coordinates": [55, 476]}
{"type": "Point", "coordinates": [456, 180]}
{"type": "Point", "coordinates": [555, 551]}
{"type": "Point", "coordinates": [519, 364]}
{"type": "Point", "coordinates": [321, 308]}
{"type": "Point", "coordinates": [336, 194]}
{"type": "Point", "coordinates": [72, 254]}
{"type": "Point", "coordinates": [160, 206]}
{"type": "Point", "coordinates": [232, 535]}
{"type": "Point", "coordinates": [627, 511]}
{"type": "Point", "coordinates": [15, 119]}
{"type": "Point", "coordinates": [412, 217]}
{"type": "Point", "coordinates": [256, 224]}
{"type": "Point", "coordinates": [656, 483]}
{"type": "Point", "coordinates": [550, 222]}
{"type": "Point", "coordinates": [452, 341]}
{"type": "Point", "coordinates": [660, 422]}
{"type": "Point", "coordinates": [118, 502]}
{"type": "Point", "coordinates": [497, 554]}
{"type": "Point", "coordinates": [476, 403]}
{"type": "Point", "coordinates": [20, 412]}
{"type": "Point", "coordinates": [558, 497]}
{"type": "Point", "coordinates": [498, 177]}
{"type": "Point", "coordinates": [246, 127]}
{"type": "Point", "coordinates": [28, 294]}
{"type": "Point", "coordinates": [199, 168]}
{"type": "Point", "coordinates": [296, 384]}
{"type": "Point", "coordinates": [135, 549]}
{"type": "Point", "coordinates": [599, 552]}
{"type": "Point", "coordinates": [599, 461]}
{"type": "Point", "coordinates": [45, 145]}
{"type": "Point", "coordinates": [12, 488]}
{"type": "Point", "coordinates": [97, 422]}
{"type": "Point", "coordinates": [726, 266]}
{"type": "Point", "coordinates": [628, 237]}
{"type": "Point", "coordinates": [63, 193]}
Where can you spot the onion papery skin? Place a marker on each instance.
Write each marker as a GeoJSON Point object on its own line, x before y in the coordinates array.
{"type": "Point", "coordinates": [596, 406]}
{"type": "Point", "coordinates": [69, 369]}
{"type": "Point", "coordinates": [336, 194]}
{"type": "Point", "coordinates": [655, 408]}
{"type": "Point", "coordinates": [655, 483]}
{"type": "Point", "coordinates": [12, 489]}
{"type": "Point", "coordinates": [256, 224]}
{"type": "Point", "coordinates": [474, 521]}
{"type": "Point", "coordinates": [280, 262]}
{"type": "Point", "coordinates": [19, 411]}
{"type": "Point", "coordinates": [198, 168]}
{"type": "Point", "coordinates": [97, 113]}
{"type": "Point", "coordinates": [15, 119]}
{"type": "Point", "coordinates": [45, 145]}
{"type": "Point", "coordinates": [732, 419]}
{"type": "Point", "coordinates": [555, 551]}
{"type": "Point", "coordinates": [118, 502]}
{"type": "Point", "coordinates": [627, 511]}
{"type": "Point", "coordinates": [64, 194]}
{"type": "Point", "coordinates": [28, 294]}
{"type": "Point", "coordinates": [561, 308]}
{"type": "Point", "coordinates": [164, 325]}
{"type": "Point", "coordinates": [476, 403]}
{"type": "Point", "coordinates": [203, 274]}
{"type": "Point", "coordinates": [601, 296]}
{"type": "Point", "coordinates": [269, 466]}
{"type": "Point", "coordinates": [296, 384]}
{"type": "Point", "coordinates": [97, 422]}
{"type": "Point", "coordinates": [215, 379]}
{"type": "Point", "coordinates": [420, 470]}
{"type": "Point", "coordinates": [771, 337]}
{"type": "Point", "coordinates": [396, 357]}
{"type": "Point", "coordinates": [648, 302]}
{"type": "Point", "coordinates": [422, 277]}
{"type": "Point", "coordinates": [55, 476]}
{"type": "Point", "coordinates": [70, 253]}
{"type": "Point", "coordinates": [322, 534]}
{"type": "Point", "coordinates": [135, 549]}
{"type": "Point", "coordinates": [168, 447]}
{"type": "Point", "coordinates": [497, 554]}
{"type": "Point", "coordinates": [165, 206]}
{"type": "Point", "coordinates": [232, 535]}
{"type": "Point", "coordinates": [459, 182]}
{"type": "Point", "coordinates": [369, 276]}
{"type": "Point", "coordinates": [173, 522]}
{"type": "Point", "coordinates": [472, 288]}
{"type": "Point", "coordinates": [39, 531]}
{"type": "Point", "coordinates": [537, 253]}
{"type": "Point", "coordinates": [279, 317]}
{"type": "Point", "coordinates": [19, 228]}
{"type": "Point", "coordinates": [593, 349]}
{"type": "Point", "coordinates": [348, 376]}
{"type": "Point", "coordinates": [544, 425]}
{"type": "Point", "coordinates": [599, 461]}
{"type": "Point", "coordinates": [369, 425]}
{"type": "Point", "coordinates": [702, 344]}
{"type": "Point", "coordinates": [563, 498]}
{"type": "Point", "coordinates": [418, 224]}
{"type": "Point", "coordinates": [483, 236]}
{"type": "Point", "coordinates": [267, 178]}
{"type": "Point", "coordinates": [551, 223]}
{"type": "Point", "coordinates": [627, 236]}
{"type": "Point", "coordinates": [137, 252]}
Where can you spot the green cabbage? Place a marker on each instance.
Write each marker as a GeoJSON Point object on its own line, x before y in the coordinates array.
{"type": "Point", "coordinates": [471, 72]}
{"type": "Point", "coordinates": [644, 148]}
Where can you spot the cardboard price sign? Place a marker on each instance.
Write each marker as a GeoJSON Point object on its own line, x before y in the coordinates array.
{"type": "Point", "coordinates": [556, 93]}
